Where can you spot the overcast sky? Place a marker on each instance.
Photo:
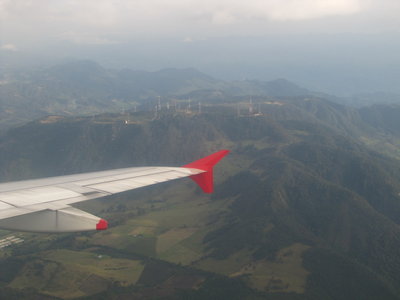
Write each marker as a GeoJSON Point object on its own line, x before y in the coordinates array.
{"type": "Point", "coordinates": [322, 43]}
{"type": "Point", "coordinates": [106, 21]}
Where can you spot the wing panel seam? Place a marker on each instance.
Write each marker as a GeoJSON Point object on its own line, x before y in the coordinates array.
{"type": "Point", "coordinates": [5, 202]}
{"type": "Point", "coordinates": [71, 181]}
{"type": "Point", "coordinates": [138, 176]}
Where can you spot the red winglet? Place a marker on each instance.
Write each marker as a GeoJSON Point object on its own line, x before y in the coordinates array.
{"type": "Point", "coordinates": [205, 180]}
{"type": "Point", "coordinates": [102, 225]}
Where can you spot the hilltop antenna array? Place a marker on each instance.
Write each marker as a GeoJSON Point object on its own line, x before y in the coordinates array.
{"type": "Point", "coordinates": [156, 112]}
{"type": "Point", "coordinates": [251, 106]}
{"type": "Point", "coordinates": [189, 106]}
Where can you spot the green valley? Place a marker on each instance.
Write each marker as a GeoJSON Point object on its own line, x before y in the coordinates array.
{"type": "Point", "coordinates": [306, 205]}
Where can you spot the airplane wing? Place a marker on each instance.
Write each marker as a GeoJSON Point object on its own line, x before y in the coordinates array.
{"type": "Point", "coordinates": [44, 205]}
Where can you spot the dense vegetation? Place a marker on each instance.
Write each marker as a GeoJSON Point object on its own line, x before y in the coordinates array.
{"type": "Point", "coordinates": [84, 87]}
{"type": "Point", "coordinates": [306, 206]}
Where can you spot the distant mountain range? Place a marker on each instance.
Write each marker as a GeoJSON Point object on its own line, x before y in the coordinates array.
{"type": "Point", "coordinates": [367, 99]}
{"type": "Point", "coordinates": [86, 88]}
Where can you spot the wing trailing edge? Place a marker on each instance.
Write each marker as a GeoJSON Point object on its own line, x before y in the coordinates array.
{"type": "Point", "coordinates": [68, 219]}
{"type": "Point", "coordinates": [43, 205]}
{"type": "Point", "coordinates": [206, 179]}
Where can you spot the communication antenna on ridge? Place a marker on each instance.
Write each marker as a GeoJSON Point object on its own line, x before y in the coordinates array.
{"type": "Point", "coordinates": [190, 105]}
{"type": "Point", "coordinates": [127, 118]}
{"type": "Point", "coordinates": [156, 112]}
{"type": "Point", "coordinates": [159, 102]}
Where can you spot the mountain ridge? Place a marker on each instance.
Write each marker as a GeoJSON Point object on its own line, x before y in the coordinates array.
{"type": "Point", "coordinates": [303, 208]}
{"type": "Point", "coordinates": [86, 88]}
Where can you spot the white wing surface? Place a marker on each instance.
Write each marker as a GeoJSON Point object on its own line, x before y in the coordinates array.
{"type": "Point", "coordinates": [43, 205]}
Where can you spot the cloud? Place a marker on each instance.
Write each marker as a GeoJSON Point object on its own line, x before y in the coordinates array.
{"type": "Point", "coordinates": [108, 13]}
{"type": "Point", "coordinates": [228, 11]}
{"type": "Point", "coordinates": [82, 38]}
{"type": "Point", "coordinates": [188, 40]}
{"type": "Point", "coordinates": [106, 21]}
{"type": "Point", "coordinates": [9, 47]}
{"type": "Point", "coordinates": [309, 9]}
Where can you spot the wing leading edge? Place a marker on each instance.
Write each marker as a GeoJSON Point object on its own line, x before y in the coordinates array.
{"type": "Point", "coordinates": [43, 205]}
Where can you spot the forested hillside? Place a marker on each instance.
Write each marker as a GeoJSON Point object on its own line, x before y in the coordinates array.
{"type": "Point", "coordinates": [86, 88]}
{"type": "Point", "coordinates": [306, 205]}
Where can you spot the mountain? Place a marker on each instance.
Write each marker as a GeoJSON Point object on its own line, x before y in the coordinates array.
{"type": "Point", "coordinates": [368, 99]}
{"type": "Point", "coordinates": [86, 88]}
{"type": "Point", "coordinates": [385, 118]}
{"type": "Point", "coordinates": [305, 206]}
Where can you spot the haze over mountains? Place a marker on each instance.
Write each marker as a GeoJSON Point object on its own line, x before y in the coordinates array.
{"type": "Point", "coordinates": [305, 94]}
{"type": "Point", "coordinates": [306, 206]}
{"type": "Point", "coordinates": [340, 64]}
{"type": "Point", "coordinates": [85, 87]}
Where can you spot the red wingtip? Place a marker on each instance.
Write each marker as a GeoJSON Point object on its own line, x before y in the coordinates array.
{"type": "Point", "coordinates": [205, 180]}
{"type": "Point", "coordinates": [102, 225]}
